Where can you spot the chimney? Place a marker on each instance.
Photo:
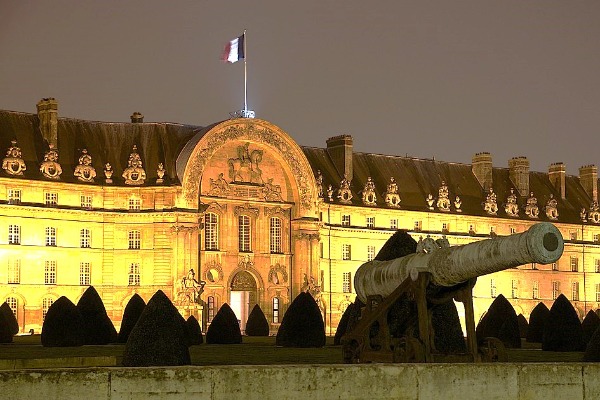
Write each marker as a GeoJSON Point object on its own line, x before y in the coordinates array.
{"type": "Point", "coordinates": [47, 110]}
{"type": "Point", "coordinates": [482, 169]}
{"type": "Point", "coordinates": [137, 117]}
{"type": "Point", "coordinates": [339, 149]}
{"type": "Point", "coordinates": [588, 177]}
{"type": "Point", "coordinates": [518, 171]}
{"type": "Point", "coordinates": [557, 175]}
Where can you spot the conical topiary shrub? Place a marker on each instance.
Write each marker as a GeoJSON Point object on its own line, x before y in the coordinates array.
{"type": "Point", "coordinates": [399, 245]}
{"type": "Point", "coordinates": [257, 324]}
{"type": "Point", "coordinates": [63, 325]}
{"type": "Point", "coordinates": [97, 326]}
{"type": "Point", "coordinates": [537, 320]}
{"type": "Point", "coordinates": [592, 350]}
{"type": "Point", "coordinates": [224, 328]}
{"type": "Point", "coordinates": [160, 337]}
{"type": "Point", "coordinates": [342, 327]}
{"type": "Point", "coordinates": [10, 318]}
{"type": "Point", "coordinates": [194, 331]}
{"type": "Point", "coordinates": [6, 335]}
{"type": "Point", "coordinates": [562, 331]}
{"type": "Point", "coordinates": [500, 320]}
{"type": "Point", "coordinates": [589, 325]}
{"type": "Point", "coordinates": [523, 326]}
{"type": "Point", "coordinates": [302, 324]}
{"type": "Point", "coordinates": [133, 310]}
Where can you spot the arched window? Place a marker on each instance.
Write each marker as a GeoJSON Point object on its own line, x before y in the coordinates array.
{"type": "Point", "coordinates": [211, 231]}
{"type": "Point", "coordinates": [13, 304]}
{"type": "Point", "coordinates": [275, 233]}
{"type": "Point", "coordinates": [244, 233]}
{"type": "Point", "coordinates": [275, 310]}
{"type": "Point", "coordinates": [46, 303]}
{"type": "Point", "coordinates": [134, 274]}
{"type": "Point", "coordinates": [212, 305]}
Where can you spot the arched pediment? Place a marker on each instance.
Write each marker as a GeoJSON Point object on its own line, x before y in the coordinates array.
{"type": "Point", "coordinates": [195, 157]}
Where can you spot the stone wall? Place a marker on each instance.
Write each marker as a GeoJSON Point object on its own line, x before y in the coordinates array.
{"type": "Point", "coordinates": [348, 382]}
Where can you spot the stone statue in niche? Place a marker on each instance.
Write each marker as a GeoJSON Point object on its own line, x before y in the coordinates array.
{"type": "Point", "coordinates": [330, 193]}
{"type": "Point", "coordinates": [490, 206]}
{"type": "Point", "coordinates": [443, 201]}
{"type": "Point", "coordinates": [369, 197]}
{"type": "Point", "coordinates": [531, 208]}
{"type": "Point", "coordinates": [552, 208]}
{"type": "Point", "coordinates": [108, 173]}
{"type": "Point", "coordinates": [134, 174]}
{"type": "Point", "coordinates": [512, 208]}
{"type": "Point", "coordinates": [50, 168]}
{"type": "Point", "coordinates": [160, 172]}
{"type": "Point", "coordinates": [245, 168]}
{"type": "Point", "coordinates": [429, 199]}
{"type": "Point", "coordinates": [319, 180]}
{"type": "Point", "coordinates": [457, 204]}
{"type": "Point", "coordinates": [219, 186]}
{"type": "Point", "coordinates": [594, 213]}
{"type": "Point", "coordinates": [13, 164]}
{"type": "Point", "coordinates": [344, 192]}
{"type": "Point", "coordinates": [85, 172]}
{"type": "Point", "coordinates": [392, 198]}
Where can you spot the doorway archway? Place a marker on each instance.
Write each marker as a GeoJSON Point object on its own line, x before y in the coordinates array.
{"type": "Point", "coordinates": [242, 296]}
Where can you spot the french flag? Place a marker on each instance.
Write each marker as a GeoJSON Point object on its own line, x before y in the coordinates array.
{"type": "Point", "coordinates": [234, 50]}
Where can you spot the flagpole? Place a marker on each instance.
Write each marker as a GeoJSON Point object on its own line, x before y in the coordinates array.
{"type": "Point", "coordinates": [245, 78]}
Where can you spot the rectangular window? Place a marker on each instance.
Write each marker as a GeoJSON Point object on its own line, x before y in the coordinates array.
{"type": "Point", "coordinates": [535, 292]}
{"type": "Point", "coordinates": [275, 230]}
{"type": "Point", "coordinates": [211, 231]}
{"type": "Point", "coordinates": [370, 222]}
{"type": "Point", "coordinates": [515, 289]}
{"type": "Point", "coordinates": [244, 233]}
{"type": "Point", "coordinates": [555, 289]}
{"type": "Point", "coordinates": [493, 231]}
{"type": "Point", "coordinates": [554, 266]}
{"type": "Point", "coordinates": [50, 236]}
{"type": "Point", "coordinates": [134, 274]}
{"type": "Point", "coordinates": [84, 273]}
{"type": "Point", "coordinates": [533, 266]}
{"type": "Point", "coordinates": [346, 252]}
{"type": "Point", "coordinates": [472, 229]}
{"type": "Point", "coordinates": [322, 250]}
{"type": "Point", "coordinates": [493, 291]}
{"type": "Point", "coordinates": [85, 239]}
{"type": "Point", "coordinates": [14, 196]}
{"type": "Point", "coordinates": [135, 240]}
{"type": "Point", "coordinates": [574, 264]}
{"type": "Point", "coordinates": [573, 235]}
{"type": "Point", "coordinates": [275, 310]}
{"type": "Point", "coordinates": [597, 265]}
{"type": "Point", "coordinates": [418, 226]}
{"type": "Point", "coordinates": [50, 272]}
{"type": "Point", "coordinates": [596, 237]}
{"type": "Point", "coordinates": [393, 223]}
{"type": "Point", "coordinates": [370, 253]}
{"type": "Point", "coordinates": [212, 308]}
{"type": "Point", "coordinates": [345, 220]}
{"type": "Point", "coordinates": [51, 198]}
{"type": "Point", "coordinates": [445, 227]}
{"type": "Point", "coordinates": [14, 271]}
{"type": "Point", "coordinates": [86, 202]}
{"type": "Point", "coordinates": [135, 204]}
{"type": "Point", "coordinates": [598, 292]}
{"type": "Point", "coordinates": [575, 291]}
{"type": "Point", "coordinates": [346, 282]}
{"type": "Point", "coordinates": [14, 234]}
{"type": "Point", "coordinates": [513, 230]}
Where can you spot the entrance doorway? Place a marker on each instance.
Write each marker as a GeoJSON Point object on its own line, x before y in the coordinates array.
{"type": "Point", "coordinates": [243, 296]}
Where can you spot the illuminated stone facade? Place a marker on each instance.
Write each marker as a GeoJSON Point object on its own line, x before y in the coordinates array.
{"type": "Point", "coordinates": [238, 212]}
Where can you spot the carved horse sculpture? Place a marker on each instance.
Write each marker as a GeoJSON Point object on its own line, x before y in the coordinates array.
{"type": "Point", "coordinates": [245, 168]}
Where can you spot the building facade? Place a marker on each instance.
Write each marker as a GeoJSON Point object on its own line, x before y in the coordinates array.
{"type": "Point", "coordinates": [237, 212]}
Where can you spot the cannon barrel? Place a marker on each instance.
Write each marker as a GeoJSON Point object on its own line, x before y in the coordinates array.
{"type": "Point", "coordinates": [542, 243]}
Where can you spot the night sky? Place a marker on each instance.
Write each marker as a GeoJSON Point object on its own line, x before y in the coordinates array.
{"type": "Point", "coordinates": [442, 79]}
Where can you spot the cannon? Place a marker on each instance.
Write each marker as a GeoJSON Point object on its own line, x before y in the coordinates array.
{"type": "Point", "coordinates": [430, 278]}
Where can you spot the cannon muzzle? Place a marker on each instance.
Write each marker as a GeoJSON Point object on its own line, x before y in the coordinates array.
{"type": "Point", "coordinates": [542, 243]}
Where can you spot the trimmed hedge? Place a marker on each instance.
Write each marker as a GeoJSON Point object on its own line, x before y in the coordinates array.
{"type": "Point", "coordinates": [562, 331]}
{"type": "Point", "coordinates": [500, 322]}
{"type": "Point", "coordinates": [592, 350]}
{"type": "Point", "coordinates": [224, 328]}
{"type": "Point", "coordinates": [160, 337]}
{"type": "Point", "coordinates": [590, 323]}
{"type": "Point", "coordinates": [537, 320]}
{"type": "Point", "coordinates": [10, 318]}
{"type": "Point", "coordinates": [257, 324]}
{"type": "Point", "coordinates": [343, 325]}
{"type": "Point", "coordinates": [98, 328]}
{"type": "Point", "coordinates": [63, 325]}
{"type": "Point", "coordinates": [133, 310]}
{"type": "Point", "coordinates": [194, 331]}
{"type": "Point", "coordinates": [6, 335]}
{"type": "Point", "coordinates": [302, 324]}
{"type": "Point", "coordinates": [523, 326]}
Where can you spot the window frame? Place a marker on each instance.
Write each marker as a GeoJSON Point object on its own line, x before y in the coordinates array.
{"type": "Point", "coordinates": [244, 234]}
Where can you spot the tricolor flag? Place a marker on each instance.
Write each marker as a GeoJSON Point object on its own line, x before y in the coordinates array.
{"type": "Point", "coordinates": [234, 50]}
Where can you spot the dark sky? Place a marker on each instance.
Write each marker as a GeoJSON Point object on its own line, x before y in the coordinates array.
{"type": "Point", "coordinates": [443, 79]}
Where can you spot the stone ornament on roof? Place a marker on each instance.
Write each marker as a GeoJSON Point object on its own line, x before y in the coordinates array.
{"type": "Point", "coordinates": [108, 173]}
{"type": "Point", "coordinates": [594, 213]}
{"type": "Point", "coordinates": [330, 193]}
{"type": "Point", "coordinates": [134, 174]}
{"type": "Point", "coordinates": [50, 168]}
{"type": "Point", "coordinates": [583, 215]}
{"type": "Point", "coordinates": [392, 198]}
{"type": "Point", "coordinates": [429, 200]}
{"type": "Point", "coordinates": [344, 192]}
{"type": "Point", "coordinates": [531, 208]}
{"type": "Point", "coordinates": [512, 208]}
{"type": "Point", "coordinates": [490, 206]}
{"type": "Point", "coordinates": [319, 180]}
{"type": "Point", "coordinates": [443, 201]}
{"type": "Point", "coordinates": [552, 208]}
{"type": "Point", "coordinates": [457, 204]}
{"type": "Point", "coordinates": [160, 172]}
{"type": "Point", "coordinates": [369, 197]}
{"type": "Point", "coordinates": [13, 164]}
{"type": "Point", "coordinates": [85, 172]}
